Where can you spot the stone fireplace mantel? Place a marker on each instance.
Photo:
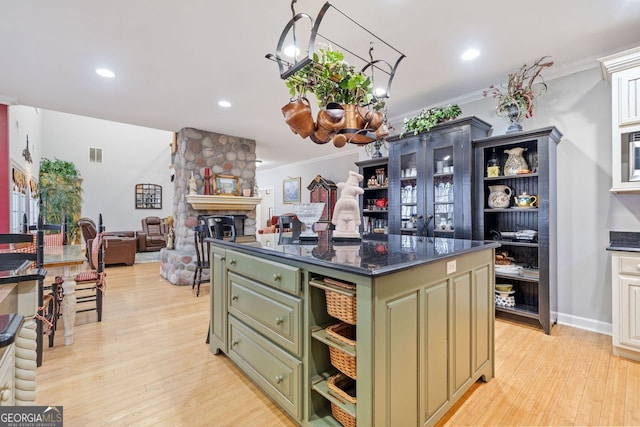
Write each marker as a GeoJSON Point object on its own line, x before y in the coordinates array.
{"type": "Point", "coordinates": [222, 203]}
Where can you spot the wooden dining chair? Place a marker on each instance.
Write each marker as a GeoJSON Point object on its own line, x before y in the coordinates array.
{"type": "Point", "coordinates": [200, 232]}
{"type": "Point", "coordinates": [91, 284]}
{"type": "Point", "coordinates": [55, 235]}
{"type": "Point", "coordinates": [221, 227]}
{"type": "Point", "coordinates": [289, 229]}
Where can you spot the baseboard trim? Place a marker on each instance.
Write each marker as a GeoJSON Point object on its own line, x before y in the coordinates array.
{"type": "Point", "coordinates": [585, 323]}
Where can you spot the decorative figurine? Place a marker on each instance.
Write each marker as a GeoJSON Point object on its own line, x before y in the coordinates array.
{"type": "Point", "coordinates": [192, 185]}
{"type": "Point", "coordinates": [171, 239]}
{"type": "Point", "coordinates": [346, 215]}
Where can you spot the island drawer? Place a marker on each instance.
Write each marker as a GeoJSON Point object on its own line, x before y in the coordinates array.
{"type": "Point", "coordinates": [269, 272]}
{"type": "Point", "coordinates": [275, 314]}
{"type": "Point", "coordinates": [629, 265]}
{"type": "Point", "coordinates": [274, 370]}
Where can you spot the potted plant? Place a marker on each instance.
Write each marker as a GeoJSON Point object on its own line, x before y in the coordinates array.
{"type": "Point", "coordinates": [515, 101]}
{"type": "Point", "coordinates": [429, 117]}
{"type": "Point", "coordinates": [60, 194]}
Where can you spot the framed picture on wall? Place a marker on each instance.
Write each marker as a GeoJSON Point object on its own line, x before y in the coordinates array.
{"type": "Point", "coordinates": [226, 185]}
{"type": "Point", "coordinates": [291, 190]}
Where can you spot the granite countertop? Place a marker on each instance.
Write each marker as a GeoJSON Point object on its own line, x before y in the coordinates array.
{"type": "Point", "coordinates": [9, 326]}
{"type": "Point", "coordinates": [375, 256]}
{"type": "Point", "coordinates": [627, 241]}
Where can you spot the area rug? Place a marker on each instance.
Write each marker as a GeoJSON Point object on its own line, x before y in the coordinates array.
{"type": "Point", "coordinates": [144, 257]}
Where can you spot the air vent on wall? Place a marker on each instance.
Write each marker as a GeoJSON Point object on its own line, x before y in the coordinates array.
{"type": "Point", "coordinates": [95, 155]}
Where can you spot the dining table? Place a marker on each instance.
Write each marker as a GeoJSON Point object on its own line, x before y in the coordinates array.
{"type": "Point", "coordinates": [63, 261]}
{"type": "Point", "coordinates": [65, 257]}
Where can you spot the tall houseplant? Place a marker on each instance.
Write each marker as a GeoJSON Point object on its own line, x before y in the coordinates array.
{"type": "Point", "coordinates": [61, 194]}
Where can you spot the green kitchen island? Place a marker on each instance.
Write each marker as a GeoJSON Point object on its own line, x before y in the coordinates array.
{"type": "Point", "coordinates": [422, 311]}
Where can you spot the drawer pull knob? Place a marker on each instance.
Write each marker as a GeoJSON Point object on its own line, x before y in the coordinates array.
{"type": "Point", "coordinates": [234, 343]}
{"type": "Point", "coordinates": [279, 320]}
{"type": "Point", "coordinates": [232, 261]}
{"type": "Point", "coordinates": [222, 258]}
{"type": "Point", "coordinates": [277, 277]}
{"type": "Point", "coordinates": [279, 379]}
{"type": "Point", "coordinates": [234, 297]}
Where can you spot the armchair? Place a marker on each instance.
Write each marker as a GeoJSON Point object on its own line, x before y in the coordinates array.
{"type": "Point", "coordinates": [120, 246]}
{"type": "Point", "coordinates": [153, 236]}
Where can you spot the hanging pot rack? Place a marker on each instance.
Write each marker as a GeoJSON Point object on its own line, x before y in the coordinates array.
{"type": "Point", "coordinates": [380, 66]}
{"type": "Point", "coordinates": [289, 67]}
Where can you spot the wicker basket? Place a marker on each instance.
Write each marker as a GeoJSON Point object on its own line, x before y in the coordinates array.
{"type": "Point", "coordinates": [343, 387]}
{"type": "Point", "coordinates": [343, 418]}
{"type": "Point", "coordinates": [343, 332]}
{"type": "Point", "coordinates": [341, 306]}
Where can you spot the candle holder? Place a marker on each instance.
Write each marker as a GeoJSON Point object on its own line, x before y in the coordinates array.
{"type": "Point", "coordinates": [207, 182]}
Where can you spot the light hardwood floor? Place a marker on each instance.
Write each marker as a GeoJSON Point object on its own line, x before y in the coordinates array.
{"type": "Point", "coordinates": [147, 364]}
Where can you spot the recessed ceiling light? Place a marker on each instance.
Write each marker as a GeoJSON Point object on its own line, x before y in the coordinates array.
{"type": "Point", "coordinates": [105, 73]}
{"type": "Point", "coordinates": [225, 104]}
{"type": "Point", "coordinates": [470, 54]}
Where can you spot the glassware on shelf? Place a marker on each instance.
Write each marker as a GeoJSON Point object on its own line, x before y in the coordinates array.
{"type": "Point", "coordinates": [309, 214]}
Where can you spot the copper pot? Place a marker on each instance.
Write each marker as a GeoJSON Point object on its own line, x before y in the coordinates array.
{"type": "Point", "coordinates": [297, 114]}
{"type": "Point", "coordinates": [354, 128]}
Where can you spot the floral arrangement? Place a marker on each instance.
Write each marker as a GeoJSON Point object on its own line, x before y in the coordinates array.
{"type": "Point", "coordinates": [429, 117]}
{"type": "Point", "coordinates": [522, 88]}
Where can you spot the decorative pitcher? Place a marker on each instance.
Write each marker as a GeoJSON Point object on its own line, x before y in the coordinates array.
{"type": "Point", "coordinates": [515, 161]}
{"type": "Point", "coordinates": [499, 196]}
{"type": "Point", "coordinates": [297, 114]}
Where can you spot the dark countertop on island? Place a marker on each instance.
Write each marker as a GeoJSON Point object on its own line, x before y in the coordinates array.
{"type": "Point", "coordinates": [626, 241]}
{"type": "Point", "coordinates": [384, 254]}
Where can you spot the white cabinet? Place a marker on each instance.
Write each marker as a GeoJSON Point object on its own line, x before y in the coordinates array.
{"type": "Point", "coordinates": [625, 268]}
{"type": "Point", "coordinates": [622, 70]}
{"type": "Point", "coordinates": [627, 84]}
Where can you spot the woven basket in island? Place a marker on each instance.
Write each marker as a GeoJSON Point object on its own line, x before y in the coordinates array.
{"type": "Point", "coordinates": [343, 332]}
{"type": "Point", "coordinates": [341, 306]}
{"type": "Point", "coordinates": [345, 388]}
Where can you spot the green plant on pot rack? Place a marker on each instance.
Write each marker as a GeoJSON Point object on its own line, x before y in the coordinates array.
{"type": "Point", "coordinates": [430, 117]}
{"type": "Point", "coordinates": [349, 111]}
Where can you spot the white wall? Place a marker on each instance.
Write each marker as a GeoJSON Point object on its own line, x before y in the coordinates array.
{"type": "Point", "coordinates": [333, 167]}
{"type": "Point", "coordinates": [579, 105]}
{"type": "Point", "coordinates": [23, 122]}
{"type": "Point", "coordinates": [131, 155]}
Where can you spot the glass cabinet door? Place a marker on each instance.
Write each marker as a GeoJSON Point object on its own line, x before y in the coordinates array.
{"type": "Point", "coordinates": [406, 195]}
{"type": "Point", "coordinates": [442, 193]}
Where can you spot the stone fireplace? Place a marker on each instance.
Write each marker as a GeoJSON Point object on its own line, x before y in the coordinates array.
{"type": "Point", "coordinates": [223, 154]}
